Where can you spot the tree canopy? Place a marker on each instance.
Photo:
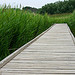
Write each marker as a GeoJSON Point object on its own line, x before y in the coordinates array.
{"type": "Point", "coordinates": [65, 6]}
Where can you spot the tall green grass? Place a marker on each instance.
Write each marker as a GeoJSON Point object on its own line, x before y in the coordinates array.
{"type": "Point", "coordinates": [71, 23]}
{"type": "Point", "coordinates": [17, 27]}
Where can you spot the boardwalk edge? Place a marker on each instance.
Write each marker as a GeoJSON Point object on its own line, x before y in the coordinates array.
{"type": "Point", "coordinates": [73, 38]}
{"type": "Point", "coordinates": [11, 56]}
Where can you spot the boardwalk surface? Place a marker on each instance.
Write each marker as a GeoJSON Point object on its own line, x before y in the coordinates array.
{"type": "Point", "coordinates": [52, 54]}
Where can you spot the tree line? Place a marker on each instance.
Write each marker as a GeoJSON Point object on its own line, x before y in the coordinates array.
{"type": "Point", "coordinates": [66, 6]}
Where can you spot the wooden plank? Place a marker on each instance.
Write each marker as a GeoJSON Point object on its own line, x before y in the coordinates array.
{"type": "Point", "coordinates": [54, 43]}
{"type": "Point", "coordinates": [52, 50]}
{"type": "Point", "coordinates": [38, 71]}
{"type": "Point", "coordinates": [63, 65]}
{"type": "Point", "coordinates": [49, 47]}
{"type": "Point", "coordinates": [32, 74]}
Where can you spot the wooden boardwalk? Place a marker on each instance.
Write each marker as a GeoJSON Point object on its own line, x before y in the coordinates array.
{"type": "Point", "coordinates": [52, 54]}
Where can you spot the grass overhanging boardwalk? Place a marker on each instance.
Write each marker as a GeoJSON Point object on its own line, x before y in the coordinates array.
{"type": "Point", "coordinates": [52, 54]}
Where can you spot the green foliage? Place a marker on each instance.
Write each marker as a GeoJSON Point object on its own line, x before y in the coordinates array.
{"type": "Point", "coordinates": [66, 6]}
{"type": "Point", "coordinates": [30, 9]}
{"type": "Point", "coordinates": [17, 27]}
{"type": "Point", "coordinates": [72, 23]}
{"type": "Point", "coordinates": [59, 7]}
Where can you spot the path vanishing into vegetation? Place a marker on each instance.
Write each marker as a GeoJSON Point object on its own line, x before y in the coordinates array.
{"type": "Point", "coordinates": [53, 53]}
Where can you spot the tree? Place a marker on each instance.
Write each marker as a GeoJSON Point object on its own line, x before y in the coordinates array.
{"type": "Point", "coordinates": [59, 7]}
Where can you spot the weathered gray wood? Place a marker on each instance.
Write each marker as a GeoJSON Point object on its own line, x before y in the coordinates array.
{"type": "Point", "coordinates": [51, 54]}
{"type": "Point", "coordinates": [38, 71]}
{"type": "Point", "coordinates": [32, 74]}
{"type": "Point", "coordinates": [63, 65]}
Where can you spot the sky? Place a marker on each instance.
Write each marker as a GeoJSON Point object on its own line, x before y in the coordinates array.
{"type": "Point", "coordinates": [31, 3]}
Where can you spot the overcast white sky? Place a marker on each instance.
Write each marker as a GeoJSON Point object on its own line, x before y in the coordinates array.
{"type": "Point", "coordinates": [32, 3]}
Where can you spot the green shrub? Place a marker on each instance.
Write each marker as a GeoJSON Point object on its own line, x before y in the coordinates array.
{"type": "Point", "coordinates": [71, 23]}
